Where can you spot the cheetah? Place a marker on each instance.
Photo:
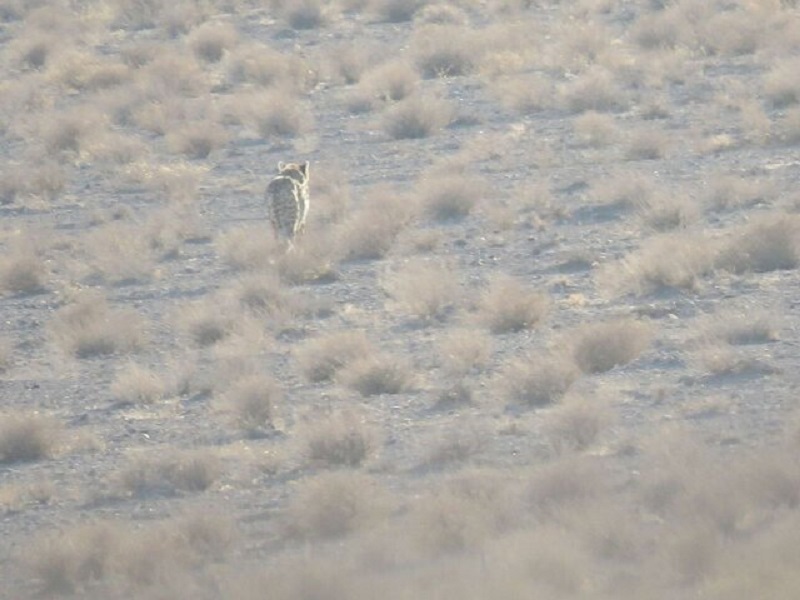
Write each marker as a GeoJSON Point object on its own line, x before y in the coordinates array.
{"type": "Point", "coordinates": [287, 201]}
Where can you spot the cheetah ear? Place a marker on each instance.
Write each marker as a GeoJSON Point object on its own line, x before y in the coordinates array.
{"type": "Point", "coordinates": [304, 169]}
{"type": "Point", "coordinates": [281, 166]}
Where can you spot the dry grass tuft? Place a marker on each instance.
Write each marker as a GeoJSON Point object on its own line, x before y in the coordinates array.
{"type": "Point", "coordinates": [647, 144]}
{"type": "Point", "coordinates": [770, 243]}
{"type": "Point", "coordinates": [595, 129]}
{"type": "Point", "coordinates": [204, 323]}
{"type": "Point", "coordinates": [462, 350]}
{"type": "Point", "coordinates": [538, 380]}
{"type": "Point", "coordinates": [566, 483]}
{"type": "Point", "coordinates": [782, 83]}
{"type": "Point", "coordinates": [670, 261]}
{"type": "Point", "coordinates": [450, 196]}
{"type": "Point", "coordinates": [340, 440]}
{"type": "Point", "coordinates": [576, 424]}
{"type": "Point", "coordinates": [27, 437]}
{"type": "Point", "coordinates": [247, 248]}
{"type": "Point", "coordinates": [90, 327]}
{"type": "Point", "coordinates": [120, 254]}
{"type": "Point", "coordinates": [252, 402]}
{"type": "Point", "coordinates": [197, 139]}
{"type": "Point", "coordinates": [210, 41]}
{"type": "Point", "coordinates": [594, 90]}
{"type": "Point", "coordinates": [389, 82]}
{"type": "Point", "coordinates": [22, 270]}
{"type": "Point", "coordinates": [321, 358]}
{"type": "Point", "coordinates": [305, 14]}
{"type": "Point", "coordinates": [369, 233]}
{"type": "Point", "coordinates": [600, 347]}
{"type": "Point", "coordinates": [376, 374]}
{"type": "Point", "coordinates": [170, 473]}
{"type": "Point", "coordinates": [396, 11]}
{"type": "Point", "coordinates": [445, 51]}
{"type": "Point", "coordinates": [135, 384]}
{"type": "Point", "coordinates": [425, 290]}
{"type": "Point", "coordinates": [417, 116]}
{"type": "Point", "coordinates": [744, 327]}
{"type": "Point", "coordinates": [508, 306]}
{"type": "Point", "coordinates": [332, 505]}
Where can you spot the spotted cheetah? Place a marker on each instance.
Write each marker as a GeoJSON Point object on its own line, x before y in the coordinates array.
{"type": "Point", "coordinates": [287, 201]}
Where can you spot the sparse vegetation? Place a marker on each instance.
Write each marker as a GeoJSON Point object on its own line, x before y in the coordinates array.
{"type": "Point", "coordinates": [508, 306]}
{"type": "Point", "coordinates": [537, 339]}
{"type": "Point", "coordinates": [600, 347]}
{"type": "Point", "coordinates": [26, 437]}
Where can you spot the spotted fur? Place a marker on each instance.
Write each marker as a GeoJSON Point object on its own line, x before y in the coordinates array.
{"type": "Point", "coordinates": [287, 201]}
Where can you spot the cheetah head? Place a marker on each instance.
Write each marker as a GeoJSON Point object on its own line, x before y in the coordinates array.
{"type": "Point", "coordinates": [297, 171]}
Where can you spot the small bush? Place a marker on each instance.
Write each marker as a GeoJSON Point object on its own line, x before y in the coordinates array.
{"type": "Point", "coordinates": [664, 262]}
{"type": "Point", "coordinates": [425, 290]}
{"type": "Point", "coordinates": [170, 473]}
{"type": "Point", "coordinates": [204, 322]}
{"type": "Point", "coordinates": [304, 14]}
{"type": "Point", "coordinates": [450, 197]}
{"type": "Point", "coordinates": [248, 248]}
{"type": "Point", "coordinates": [340, 440]}
{"type": "Point", "coordinates": [576, 424]}
{"type": "Point", "coordinates": [538, 380]}
{"type": "Point", "coordinates": [375, 375]}
{"type": "Point", "coordinates": [768, 244]}
{"type": "Point", "coordinates": [744, 328]}
{"type": "Point", "coordinates": [89, 327]}
{"type": "Point", "coordinates": [22, 271]}
{"type": "Point", "coordinates": [211, 40]}
{"type": "Point", "coordinates": [417, 117]}
{"type": "Point", "coordinates": [600, 347]}
{"type": "Point", "coordinates": [508, 306]}
{"type": "Point", "coordinates": [282, 115]}
{"type": "Point", "coordinates": [332, 505]}
{"type": "Point", "coordinates": [27, 437]}
{"type": "Point", "coordinates": [252, 402]}
{"type": "Point", "coordinates": [369, 233]}
{"type": "Point", "coordinates": [445, 51]}
{"type": "Point", "coordinates": [135, 384]}
{"type": "Point", "coordinates": [594, 90]}
{"type": "Point", "coordinates": [647, 144]}
{"type": "Point", "coordinates": [321, 358]}
{"type": "Point", "coordinates": [595, 129]}
{"type": "Point", "coordinates": [782, 83]}
{"type": "Point", "coordinates": [197, 139]}
{"type": "Point", "coordinates": [120, 254]}
{"type": "Point", "coordinates": [462, 350]}
{"type": "Point", "coordinates": [396, 11]}
{"type": "Point", "coordinates": [389, 82]}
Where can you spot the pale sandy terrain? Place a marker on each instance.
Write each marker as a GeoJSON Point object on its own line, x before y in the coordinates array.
{"type": "Point", "coordinates": [540, 339]}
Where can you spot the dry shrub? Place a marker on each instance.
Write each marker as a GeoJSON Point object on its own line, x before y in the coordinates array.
{"type": "Point", "coordinates": [197, 139]}
{"type": "Point", "coordinates": [526, 94]}
{"type": "Point", "coordinates": [624, 190]}
{"type": "Point", "coordinates": [311, 260]}
{"type": "Point", "coordinates": [348, 62]}
{"type": "Point", "coordinates": [647, 144]}
{"type": "Point", "coordinates": [22, 270]}
{"type": "Point", "coordinates": [332, 505]}
{"type": "Point", "coordinates": [376, 374]}
{"type": "Point", "coordinates": [595, 129]}
{"type": "Point", "coordinates": [33, 51]}
{"type": "Point", "coordinates": [370, 232]}
{"type": "Point", "coordinates": [462, 350]}
{"type": "Point", "coordinates": [720, 359]}
{"type": "Point", "coordinates": [455, 446]}
{"type": "Point", "coordinates": [119, 253]}
{"type": "Point", "coordinates": [107, 557]}
{"type": "Point", "coordinates": [278, 114]}
{"type": "Point", "coordinates": [664, 211]}
{"type": "Point", "coordinates": [252, 402]}
{"type": "Point", "coordinates": [389, 82]}
{"type": "Point", "coordinates": [167, 474]}
{"type": "Point", "coordinates": [321, 358]}
{"type": "Point", "coordinates": [425, 290]}
{"type": "Point", "coordinates": [248, 248]}
{"type": "Point", "coordinates": [445, 51]}
{"type": "Point", "coordinates": [260, 65]}
{"type": "Point", "coordinates": [744, 327]}
{"type": "Point", "coordinates": [565, 484]}
{"type": "Point", "coordinates": [782, 83]}
{"type": "Point", "coordinates": [770, 243]}
{"type": "Point", "coordinates": [90, 327]}
{"type": "Point", "coordinates": [450, 196]}
{"type": "Point", "coordinates": [173, 75]}
{"type": "Point", "coordinates": [731, 192]}
{"type": "Point", "coordinates": [135, 384]}
{"type": "Point", "coordinates": [442, 14]}
{"type": "Point", "coordinates": [340, 440]}
{"type": "Point", "coordinates": [594, 90]}
{"type": "Point", "coordinates": [538, 380]}
{"type": "Point", "coordinates": [263, 295]}
{"type": "Point", "coordinates": [600, 347]}
{"type": "Point", "coordinates": [211, 40]}
{"type": "Point", "coordinates": [507, 305]}
{"type": "Point", "coordinates": [670, 261]}
{"type": "Point", "coordinates": [204, 322]}
{"type": "Point", "coordinates": [417, 116]}
{"type": "Point", "coordinates": [67, 131]}
{"type": "Point", "coordinates": [576, 424]}
{"type": "Point", "coordinates": [27, 437]}
{"type": "Point", "coordinates": [304, 14]}
{"type": "Point", "coordinates": [396, 11]}
{"type": "Point", "coordinates": [6, 355]}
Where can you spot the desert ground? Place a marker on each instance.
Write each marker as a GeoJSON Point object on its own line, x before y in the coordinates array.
{"type": "Point", "coordinates": [539, 339]}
